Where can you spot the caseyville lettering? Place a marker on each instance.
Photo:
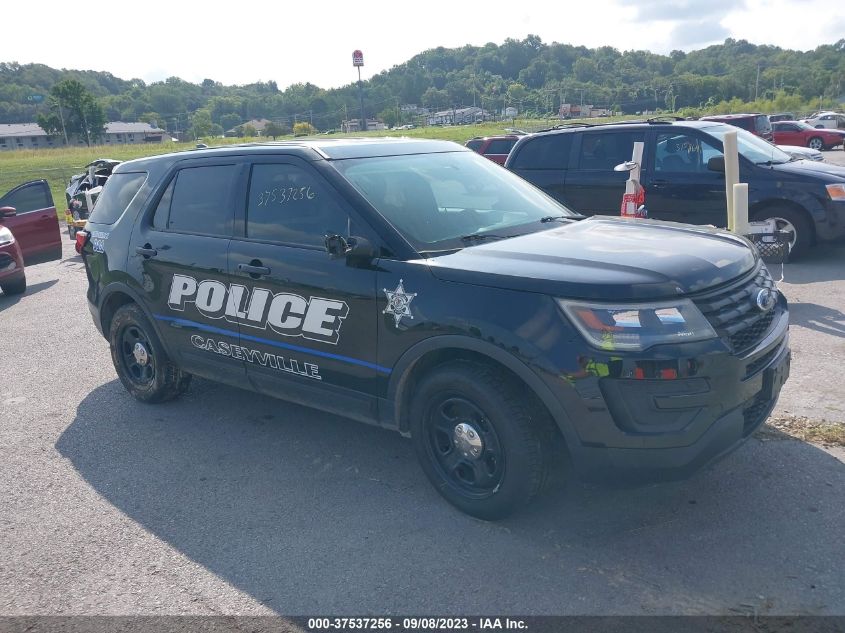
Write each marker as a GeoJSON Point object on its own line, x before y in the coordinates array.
{"type": "Point", "coordinates": [316, 318]}
{"type": "Point", "coordinates": [238, 352]}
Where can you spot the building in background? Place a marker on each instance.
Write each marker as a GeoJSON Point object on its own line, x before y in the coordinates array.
{"type": "Point", "coordinates": [31, 136]}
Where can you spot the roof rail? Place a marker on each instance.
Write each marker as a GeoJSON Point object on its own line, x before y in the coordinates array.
{"type": "Point", "coordinates": [665, 118]}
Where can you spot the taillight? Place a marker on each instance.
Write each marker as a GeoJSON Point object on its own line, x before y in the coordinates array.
{"type": "Point", "coordinates": [81, 239]}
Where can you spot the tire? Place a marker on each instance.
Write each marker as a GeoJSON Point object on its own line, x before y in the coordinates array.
{"type": "Point", "coordinates": [791, 220]}
{"type": "Point", "coordinates": [462, 407]}
{"type": "Point", "coordinates": [147, 373]}
{"type": "Point", "coordinates": [14, 287]}
{"type": "Point", "coordinates": [815, 143]}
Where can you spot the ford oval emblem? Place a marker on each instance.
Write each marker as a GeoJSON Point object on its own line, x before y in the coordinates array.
{"type": "Point", "coordinates": [766, 299]}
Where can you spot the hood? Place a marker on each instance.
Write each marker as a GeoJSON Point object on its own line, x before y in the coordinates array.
{"type": "Point", "coordinates": [605, 259]}
{"type": "Point", "coordinates": [829, 172]}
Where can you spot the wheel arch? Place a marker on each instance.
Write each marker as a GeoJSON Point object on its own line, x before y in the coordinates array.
{"type": "Point", "coordinates": [115, 296]}
{"type": "Point", "coordinates": [428, 354]}
{"type": "Point", "coordinates": [760, 206]}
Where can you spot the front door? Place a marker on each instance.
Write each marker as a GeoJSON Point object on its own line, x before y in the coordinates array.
{"type": "Point", "coordinates": [678, 185]}
{"type": "Point", "coordinates": [179, 254]}
{"type": "Point", "coordinates": [307, 320]}
{"type": "Point", "coordinates": [36, 225]}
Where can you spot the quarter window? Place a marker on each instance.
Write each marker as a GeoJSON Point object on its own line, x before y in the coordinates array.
{"type": "Point", "coordinates": [290, 205]}
{"type": "Point", "coordinates": [203, 201]}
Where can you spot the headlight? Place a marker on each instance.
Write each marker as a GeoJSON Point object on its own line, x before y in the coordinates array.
{"type": "Point", "coordinates": [637, 326]}
{"type": "Point", "coordinates": [6, 236]}
{"type": "Point", "coordinates": [836, 192]}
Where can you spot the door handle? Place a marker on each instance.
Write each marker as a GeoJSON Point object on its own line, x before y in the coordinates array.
{"type": "Point", "coordinates": [146, 250]}
{"type": "Point", "coordinates": [254, 269]}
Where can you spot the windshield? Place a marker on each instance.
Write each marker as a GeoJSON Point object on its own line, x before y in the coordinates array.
{"type": "Point", "coordinates": [751, 147]}
{"type": "Point", "coordinates": [450, 200]}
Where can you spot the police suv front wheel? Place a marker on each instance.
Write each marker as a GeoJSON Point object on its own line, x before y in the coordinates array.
{"type": "Point", "coordinates": [478, 439]}
{"type": "Point", "coordinates": [140, 360]}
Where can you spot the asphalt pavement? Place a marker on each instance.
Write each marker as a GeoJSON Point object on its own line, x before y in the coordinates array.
{"type": "Point", "coordinates": [227, 502]}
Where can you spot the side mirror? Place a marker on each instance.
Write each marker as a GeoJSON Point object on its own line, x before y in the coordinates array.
{"type": "Point", "coordinates": [354, 248]}
{"type": "Point", "coordinates": [8, 212]}
{"type": "Point", "coordinates": [716, 163]}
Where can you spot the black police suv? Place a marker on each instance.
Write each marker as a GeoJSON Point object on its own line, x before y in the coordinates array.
{"type": "Point", "coordinates": [683, 175]}
{"type": "Point", "coordinates": [420, 287]}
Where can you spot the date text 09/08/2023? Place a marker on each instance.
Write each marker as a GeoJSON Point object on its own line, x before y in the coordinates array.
{"type": "Point", "coordinates": [416, 624]}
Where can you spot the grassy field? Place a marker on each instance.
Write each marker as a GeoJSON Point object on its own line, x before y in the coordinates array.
{"type": "Point", "coordinates": [59, 164]}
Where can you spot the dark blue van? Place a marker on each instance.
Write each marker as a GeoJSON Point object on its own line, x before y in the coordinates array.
{"type": "Point", "coordinates": [683, 175]}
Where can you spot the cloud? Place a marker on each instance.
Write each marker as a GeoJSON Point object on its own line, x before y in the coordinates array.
{"type": "Point", "coordinates": [682, 10]}
{"type": "Point", "coordinates": [697, 33]}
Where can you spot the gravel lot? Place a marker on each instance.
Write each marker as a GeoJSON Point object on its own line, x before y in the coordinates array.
{"type": "Point", "coordinates": [230, 502]}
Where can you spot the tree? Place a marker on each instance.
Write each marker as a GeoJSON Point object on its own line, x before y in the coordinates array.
{"type": "Point", "coordinates": [303, 128]}
{"type": "Point", "coordinates": [275, 129]}
{"type": "Point", "coordinates": [74, 112]}
{"type": "Point", "coordinates": [247, 130]}
{"type": "Point", "coordinates": [201, 124]}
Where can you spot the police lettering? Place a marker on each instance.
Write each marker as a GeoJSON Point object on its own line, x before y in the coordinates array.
{"type": "Point", "coordinates": [316, 318]}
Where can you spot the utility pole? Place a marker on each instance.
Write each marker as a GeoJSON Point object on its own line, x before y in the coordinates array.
{"type": "Point", "coordinates": [358, 61]}
{"type": "Point", "coordinates": [62, 119]}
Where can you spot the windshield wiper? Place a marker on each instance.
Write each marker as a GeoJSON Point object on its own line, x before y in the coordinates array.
{"type": "Point", "coordinates": [480, 237]}
{"type": "Point", "coordinates": [552, 218]}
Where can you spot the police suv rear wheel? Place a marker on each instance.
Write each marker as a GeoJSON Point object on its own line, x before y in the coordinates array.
{"type": "Point", "coordinates": [140, 360]}
{"type": "Point", "coordinates": [479, 441]}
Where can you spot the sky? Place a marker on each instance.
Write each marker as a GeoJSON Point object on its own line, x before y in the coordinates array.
{"type": "Point", "coordinates": [291, 42]}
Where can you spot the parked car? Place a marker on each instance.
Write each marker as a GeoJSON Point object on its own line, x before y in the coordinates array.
{"type": "Point", "coordinates": [802, 153]}
{"type": "Point", "coordinates": [781, 116]}
{"type": "Point", "coordinates": [12, 272]}
{"type": "Point", "coordinates": [414, 285]}
{"type": "Point", "coordinates": [756, 123]}
{"type": "Point", "coordinates": [496, 148]}
{"type": "Point", "coordinates": [33, 220]}
{"type": "Point", "coordinates": [800, 133]}
{"type": "Point", "coordinates": [830, 120]}
{"type": "Point", "coordinates": [682, 175]}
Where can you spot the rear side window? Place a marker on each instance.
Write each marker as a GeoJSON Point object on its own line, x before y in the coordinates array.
{"type": "Point", "coordinates": [201, 200]}
{"type": "Point", "coordinates": [605, 150]}
{"type": "Point", "coordinates": [118, 192]}
{"type": "Point", "coordinates": [28, 198]}
{"type": "Point", "coordinates": [500, 146]}
{"type": "Point", "coordinates": [475, 144]}
{"type": "Point", "coordinates": [545, 152]}
{"type": "Point", "coordinates": [290, 205]}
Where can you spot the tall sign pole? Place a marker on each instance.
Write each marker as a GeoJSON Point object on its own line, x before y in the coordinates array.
{"type": "Point", "coordinates": [358, 61]}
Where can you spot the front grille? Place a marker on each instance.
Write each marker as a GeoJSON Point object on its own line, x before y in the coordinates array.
{"type": "Point", "coordinates": [754, 415]}
{"type": "Point", "coordinates": [734, 314]}
{"type": "Point", "coordinates": [755, 366]}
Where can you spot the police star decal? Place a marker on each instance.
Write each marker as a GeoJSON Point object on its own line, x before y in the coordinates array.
{"type": "Point", "coordinates": [398, 303]}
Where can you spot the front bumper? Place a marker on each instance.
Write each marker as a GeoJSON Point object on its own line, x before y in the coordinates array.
{"type": "Point", "coordinates": [667, 426]}
{"type": "Point", "coordinates": [835, 213]}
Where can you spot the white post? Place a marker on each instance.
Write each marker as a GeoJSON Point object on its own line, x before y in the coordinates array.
{"type": "Point", "coordinates": [731, 173]}
{"type": "Point", "coordinates": [739, 209]}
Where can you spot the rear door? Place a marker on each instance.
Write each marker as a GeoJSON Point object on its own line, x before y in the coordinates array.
{"type": "Point", "coordinates": [180, 251]}
{"type": "Point", "coordinates": [36, 225]}
{"type": "Point", "coordinates": [592, 187]}
{"type": "Point", "coordinates": [307, 320]}
{"type": "Point", "coordinates": [678, 185]}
